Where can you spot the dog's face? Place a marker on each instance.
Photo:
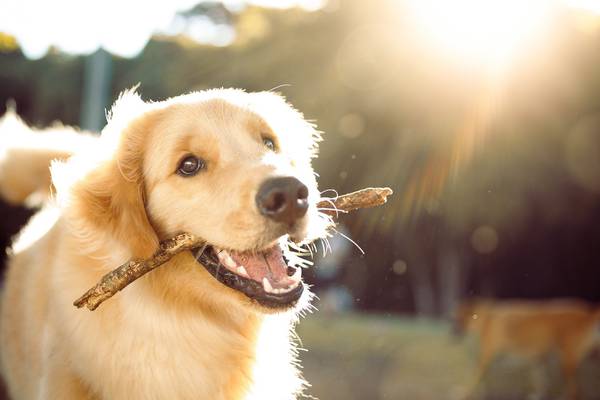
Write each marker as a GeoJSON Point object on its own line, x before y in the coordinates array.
{"type": "Point", "coordinates": [206, 164]}
{"type": "Point", "coordinates": [234, 169]}
{"type": "Point", "coordinates": [235, 172]}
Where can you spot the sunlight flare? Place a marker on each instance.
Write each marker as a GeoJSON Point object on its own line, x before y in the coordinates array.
{"type": "Point", "coordinates": [490, 31]}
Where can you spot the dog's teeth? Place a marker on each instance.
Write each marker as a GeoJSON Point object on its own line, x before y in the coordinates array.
{"type": "Point", "coordinates": [242, 271]}
{"type": "Point", "coordinates": [222, 255]}
{"type": "Point", "coordinates": [267, 286]}
{"type": "Point", "coordinates": [226, 260]}
{"type": "Point", "coordinates": [229, 262]}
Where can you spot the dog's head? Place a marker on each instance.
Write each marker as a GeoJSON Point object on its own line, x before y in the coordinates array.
{"type": "Point", "coordinates": [230, 167]}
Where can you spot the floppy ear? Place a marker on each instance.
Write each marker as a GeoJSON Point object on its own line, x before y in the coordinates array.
{"type": "Point", "coordinates": [113, 202]}
{"type": "Point", "coordinates": [109, 194]}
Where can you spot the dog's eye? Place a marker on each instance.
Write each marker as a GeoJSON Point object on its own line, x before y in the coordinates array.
{"type": "Point", "coordinates": [269, 144]}
{"type": "Point", "coordinates": [190, 166]}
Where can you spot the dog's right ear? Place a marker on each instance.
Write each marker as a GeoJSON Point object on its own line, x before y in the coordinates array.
{"type": "Point", "coordinates": [109, 202]}
{"type": "Point", "coordinates": [107, 195]}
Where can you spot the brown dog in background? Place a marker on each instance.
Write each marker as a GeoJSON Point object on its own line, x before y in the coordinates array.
{"type": "Point", "coordinates": [231, 167]}
{"type": "Point", "coordinates": [532, 329]}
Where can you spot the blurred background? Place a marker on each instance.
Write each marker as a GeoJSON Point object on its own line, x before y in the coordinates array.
{"type": "Point", "coordinates": [482, 116]}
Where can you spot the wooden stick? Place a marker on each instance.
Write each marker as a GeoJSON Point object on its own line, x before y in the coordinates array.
{"type": "Point", "coordinates": [119, 278]}
{"type": "Point", "coordinates": [364, 198]}
{"type": "Point", "coordinates": [116, 280]}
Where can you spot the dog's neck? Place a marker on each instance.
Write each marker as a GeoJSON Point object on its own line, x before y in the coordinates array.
{"type": "Point", "coordinates": [199, 347]}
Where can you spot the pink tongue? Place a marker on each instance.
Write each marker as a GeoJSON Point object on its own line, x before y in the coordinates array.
{"type": "Point", "coordinates": [269, 264]}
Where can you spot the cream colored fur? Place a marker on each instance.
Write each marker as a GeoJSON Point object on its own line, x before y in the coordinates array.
{"type": "Point", "coordinates": [176, 333]}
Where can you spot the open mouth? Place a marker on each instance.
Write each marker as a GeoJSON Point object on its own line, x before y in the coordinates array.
{"type": "Point", "coordinates": [262, 276]}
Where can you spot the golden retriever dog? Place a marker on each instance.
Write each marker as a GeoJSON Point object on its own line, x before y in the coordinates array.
{"type": "Point", "coordinates": [231, 167]}
{"type": "Point", "coordinates": [533, 329]}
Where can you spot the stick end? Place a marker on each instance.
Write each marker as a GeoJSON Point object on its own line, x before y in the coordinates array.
{"type": "Point", "coordinates": [85, 301]}
{"type": "Point", "coordinates": [385, 192]}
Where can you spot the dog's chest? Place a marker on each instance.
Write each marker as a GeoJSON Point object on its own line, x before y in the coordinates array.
{"type": "Point", "coordinates": [189, 359]}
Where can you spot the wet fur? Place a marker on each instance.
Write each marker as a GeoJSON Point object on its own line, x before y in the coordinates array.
{"type": "Point", "coordinates": [176, 333]}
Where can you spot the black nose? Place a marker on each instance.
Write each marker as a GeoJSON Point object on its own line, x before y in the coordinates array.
{"type": "Point", "coordinates": [282, 199]}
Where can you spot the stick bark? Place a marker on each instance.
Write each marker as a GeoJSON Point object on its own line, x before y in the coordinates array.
{"type": "Point", "coordinates": [118, 279]}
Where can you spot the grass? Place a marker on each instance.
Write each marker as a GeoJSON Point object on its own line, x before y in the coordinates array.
{"type": "Point", "coordinates": [364, 357]}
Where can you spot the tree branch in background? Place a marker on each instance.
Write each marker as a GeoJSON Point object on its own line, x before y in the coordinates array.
{"type": "Point", "coordinates": [119, 278]}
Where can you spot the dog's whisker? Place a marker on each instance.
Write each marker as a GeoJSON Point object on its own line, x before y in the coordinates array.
{"type": "Point", "coordinates": [332, 209]}
{"type": "Point", "coordinates": [335, 192]}
{"type": "Point", "coordinates": [313, 249]}
{"type": "Point", "coordinates": [329, 200]}
{"type": "Point", "coordinates": [323, 247]}
{"type": "Point", "coordinates": [326, 240]}
{"type": "Point", "coordinates": [280, 86]}
{"type": "Point", "coordinates": [350, 240]}
{"type": "Point", "coordinates": [333, 206]}
{"type": "Point", "coordinates": [292, 251]}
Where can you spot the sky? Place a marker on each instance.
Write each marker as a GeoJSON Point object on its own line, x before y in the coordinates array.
{"type": "Point", "coordinates": [120, 27]}
{"type": "Point", "coordinates": [123, 27]}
